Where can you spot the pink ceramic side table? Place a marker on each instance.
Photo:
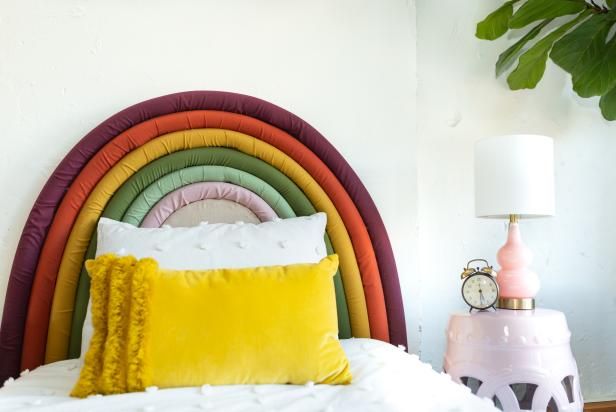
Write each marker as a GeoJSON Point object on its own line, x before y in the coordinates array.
{"type": "Point", "coordinates": [521, 359]}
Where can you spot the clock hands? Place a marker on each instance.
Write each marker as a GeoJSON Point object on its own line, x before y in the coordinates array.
{"type": "Point", "coordinates": [481, 298]}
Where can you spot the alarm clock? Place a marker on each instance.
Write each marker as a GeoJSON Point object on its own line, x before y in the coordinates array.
{"type": "Point", "coordinates": [479, 289]}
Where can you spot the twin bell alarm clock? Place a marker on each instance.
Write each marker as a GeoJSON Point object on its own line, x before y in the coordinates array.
{"type": "Point", "coordinates": [479, 289]}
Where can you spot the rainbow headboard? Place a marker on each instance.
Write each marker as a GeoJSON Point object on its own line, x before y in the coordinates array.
{"type": "Point", "coordinates": [161, 148]}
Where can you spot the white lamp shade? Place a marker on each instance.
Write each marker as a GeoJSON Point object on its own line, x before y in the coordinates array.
{"type": "Point", "coordinates": [514, 175]}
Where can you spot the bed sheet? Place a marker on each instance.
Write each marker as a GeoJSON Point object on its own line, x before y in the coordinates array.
{"type": "Point", "coordinates": [385, 378]}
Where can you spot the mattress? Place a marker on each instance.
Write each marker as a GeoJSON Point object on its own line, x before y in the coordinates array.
{"type": "Point", "coordinates": [385, 378]}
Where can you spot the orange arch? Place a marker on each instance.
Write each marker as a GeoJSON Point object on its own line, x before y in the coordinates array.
{"type": "Point", "coordinates": [37, 321]}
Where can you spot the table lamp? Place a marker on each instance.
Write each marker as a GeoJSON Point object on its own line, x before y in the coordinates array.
{"type": "Point", "coordinates": [514, 179]}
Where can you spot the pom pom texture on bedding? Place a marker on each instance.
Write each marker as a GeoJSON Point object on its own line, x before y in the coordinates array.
{"type": "Point", "coordinates": [155, 327]}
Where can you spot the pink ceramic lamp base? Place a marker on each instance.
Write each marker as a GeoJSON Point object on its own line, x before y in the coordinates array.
{"type": "Point", "coordinates": [518, 285]}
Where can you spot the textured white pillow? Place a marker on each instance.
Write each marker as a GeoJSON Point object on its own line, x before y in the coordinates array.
{"type": "Point", "coordinates": [219, 245]}
{"type": "Point", "coordinates": [214, 246]}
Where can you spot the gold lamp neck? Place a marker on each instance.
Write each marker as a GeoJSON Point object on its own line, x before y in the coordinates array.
{"type": "Point", "coordinates": [514, 218]}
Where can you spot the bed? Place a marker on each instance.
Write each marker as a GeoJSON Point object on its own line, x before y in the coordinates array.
{"type": "Point", "coordinates": [195, 156]}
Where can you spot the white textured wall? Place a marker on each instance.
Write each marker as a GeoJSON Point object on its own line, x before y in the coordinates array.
{"type": "Point", "coordinates": [458, 102]}
{"type": "Point", "coordinates": [345, 66]}
{"type": "Point", "coordinates": [353, 70]}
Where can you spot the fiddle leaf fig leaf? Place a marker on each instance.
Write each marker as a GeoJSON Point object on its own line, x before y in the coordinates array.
{"type": "Point", "coordinates": [596, 74]}
{"type": "Point", "coordinates": [583, 45]}
{"type": "Point", "coordinates": [531, 66]}
{"type": "Point", "coordinates": [569, 51]}
{"type": "Point", "coordinates": [534, 10]}
{"type": "Point", "coordinates": [496, 23]}
{"type": "Point", "coordinates": [506, 58]}
{"type": "Point", "coordinates": [608, 105]}
{"type": "Point", "coordinates": [585, 54]}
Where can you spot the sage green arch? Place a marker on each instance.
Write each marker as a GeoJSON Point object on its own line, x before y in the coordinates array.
{"type": "Point", "coordinates": [121, 200]}
{"type": "Point", "coordinates": [146, 200]}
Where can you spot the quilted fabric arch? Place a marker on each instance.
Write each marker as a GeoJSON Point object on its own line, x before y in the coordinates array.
{"type": "Point", "coordinates": [175, 170]}
{"type": "Point", "coordinates": [211, 211]}
{"type": "Point", "coordinates": [72, 260]}
{"type": "Point", "coordinates": [156, 115]}
{"type": "Point", "coordinates": [161, 209]}
{"type": "Point", "coordinates": [139, 135]}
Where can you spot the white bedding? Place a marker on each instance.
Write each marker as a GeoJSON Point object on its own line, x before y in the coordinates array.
{"type": "Point", "coordinates": [385, 378]}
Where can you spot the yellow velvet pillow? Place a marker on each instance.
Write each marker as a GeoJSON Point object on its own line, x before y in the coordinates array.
{"type": "Point", "coordinates": [229, 326]}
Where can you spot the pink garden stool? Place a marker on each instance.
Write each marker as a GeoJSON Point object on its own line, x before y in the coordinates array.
{"type": "Point", "coordinates": [521, 359]}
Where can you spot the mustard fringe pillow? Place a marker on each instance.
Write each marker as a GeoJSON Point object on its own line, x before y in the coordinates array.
{"type": "Point", "coordinates": [165, 328]}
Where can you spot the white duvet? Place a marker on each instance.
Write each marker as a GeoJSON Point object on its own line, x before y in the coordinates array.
{"type": "Point", "coordinates": [385, 378]}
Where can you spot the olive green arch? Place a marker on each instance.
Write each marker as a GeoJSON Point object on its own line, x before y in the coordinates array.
{"type": "Point", "coordinates": [120, 202]}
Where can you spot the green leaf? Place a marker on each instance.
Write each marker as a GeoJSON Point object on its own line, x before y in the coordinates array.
{"type": "Point", "coordinates": [590, 60]}
{"type": "Point", "coordinates": [506, 58]}
{"type": "Point", "coordinates": [531, 66]}
{"type": "Point", "coordinates": [534, 10]}
{"type": "Point", "coordinates": [608, 104]}
{"type": "Point", "coordinates": [611, 4]}
{"type": "Point", "coordinates": [496, 23]}
{"type": "Point", "coordinates": [597, 73]}
{"type": "Point", "coordinates": [569, 51]}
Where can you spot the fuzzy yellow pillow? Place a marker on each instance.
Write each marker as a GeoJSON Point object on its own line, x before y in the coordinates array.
{"type": "Point", "coordinates": [230, 326]}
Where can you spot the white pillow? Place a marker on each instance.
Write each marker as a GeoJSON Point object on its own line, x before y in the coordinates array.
{"type": "Point", "coordinates": [219, 245]}
{"type": "Point", "coordinates": [214, 246]}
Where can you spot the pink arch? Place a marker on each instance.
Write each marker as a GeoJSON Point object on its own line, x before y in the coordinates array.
{"type": "Point", "coordinates": [207, 190]}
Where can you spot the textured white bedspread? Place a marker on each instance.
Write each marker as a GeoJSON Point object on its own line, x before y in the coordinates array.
{"type": "Point", "coordinates": [384, 379]}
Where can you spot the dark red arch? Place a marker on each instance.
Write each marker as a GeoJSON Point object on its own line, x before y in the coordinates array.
{"type": "Point", "coordinates": [41, 215]}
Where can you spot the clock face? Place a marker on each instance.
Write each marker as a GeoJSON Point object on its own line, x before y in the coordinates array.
{"type": "Point", "coordinates": [480, 291]}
